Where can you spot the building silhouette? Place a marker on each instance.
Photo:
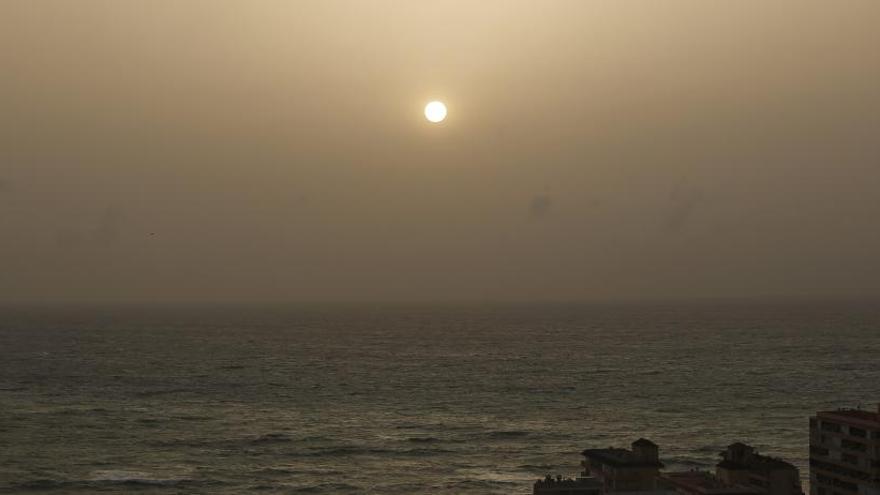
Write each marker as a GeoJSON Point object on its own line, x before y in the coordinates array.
{"type": "Point", "coordinates": [623, 470]}
{"type": "Point", "coordinates": [637, 471]}
{"type": "Point", "coordinates": [742, 465]}
{"type": "Point", "coordinates": [697, 482]}
{"type": "Point", "coordinates": [567, 486]}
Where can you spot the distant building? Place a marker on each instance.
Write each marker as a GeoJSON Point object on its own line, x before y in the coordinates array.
{"type": "Point", "coordinates": [845, 453]}
{"type": "Point", "coordinates": [636, 471]}
{"type": "Point", "coordinates": [622, 470]}
{"type": "Point", "coordinates": [703, 483]}
{"type": "Point", "coordinates": [567, 486]}
{"type": "Point", "coordinates": [742, 465]}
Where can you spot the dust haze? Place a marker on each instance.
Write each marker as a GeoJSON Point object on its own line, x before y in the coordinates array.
{"type": "Point", "coordinates": [276, 151]}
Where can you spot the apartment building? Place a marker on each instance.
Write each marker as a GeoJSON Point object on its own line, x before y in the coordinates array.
{"type": "Point", "coordinates": [624, 470]}
{"type": "Point", "coordinates": [845, 452]}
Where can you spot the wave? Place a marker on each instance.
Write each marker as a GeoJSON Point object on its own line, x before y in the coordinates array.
{"type": "Point", "coordinates": [191, 417]}
{"type": "Point", "coordinates": [224, 443]}
{"type": "Point", "coordinates": [12, 389]}
{"type": "Point", "coordinates": [327, 488]}
{"type": "Point", "coordinates": [102, 479]}
{"type": "Point", "coordinates": [423, 439]}
{"type": "Point", "coordinates": [272, 438]}
{"type": "Point", "coordinates": [153, 393]}
{"type": "Point", "coordinates": [479, 485]}
{"type": "Point", "coordinates": [316, 438]}
{"type": "Point", "coordinates": [508, 434]}
{"type": "Point", "coordinates": [134, 478]}
{"type": "Point", "coordinates": [710, 448]}
{"type": "Point", "coordinates": [353, 451]}
{"type": "Point", "coordinates": [287, 470]}
{"type": "Point", "coordinates": [40, 485]}
{"type": "Point", "coordinates": [435, 440]}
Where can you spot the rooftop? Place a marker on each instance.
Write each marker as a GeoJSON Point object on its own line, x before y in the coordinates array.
{"type": "Point", "coordinates": [705, 483]}
{"type": "Point", "coordinates": [550, 485]}
{"type": "Point", "coordinates": [871, 416]}
{"type": "Point", "coordinates": [757, 461]}
{"type": "Point", "coordinates": [740, 445]}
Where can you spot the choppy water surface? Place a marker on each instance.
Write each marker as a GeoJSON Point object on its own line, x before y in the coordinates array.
{"type": "Point", "coordinates": [471, 399]}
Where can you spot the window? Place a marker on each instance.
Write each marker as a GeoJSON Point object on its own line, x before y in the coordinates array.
{"type": "Point", "coordinates": [857, 432]}
{"type": "Point", "coordinates": [836, 469]}
{"type": "Point", "coordinates": [758, 482]}
{"type": "Point", "coordinates": [846, 485]}
{"type": "Point", "coordinates": [850, 459]}
{"type": "Point", "coordinates": [850, 445]}
{"type": "Point", "coordinates": [829, 426]}
{"type": "Point", "coordinates": [818, 450]}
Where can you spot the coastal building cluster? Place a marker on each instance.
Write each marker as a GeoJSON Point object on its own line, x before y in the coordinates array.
{"type": "Point", "coordinates": [844, 460]}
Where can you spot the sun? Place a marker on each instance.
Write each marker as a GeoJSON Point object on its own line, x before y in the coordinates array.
{"type": "Point", "coordinates": [435, 111]}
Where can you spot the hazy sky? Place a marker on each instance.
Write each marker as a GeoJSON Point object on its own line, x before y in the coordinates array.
{"type": "Point", "coordinates": [276, 150]}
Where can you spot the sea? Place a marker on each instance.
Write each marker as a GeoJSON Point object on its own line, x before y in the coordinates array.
{"type": "Point", "coordinates": [410, 398]}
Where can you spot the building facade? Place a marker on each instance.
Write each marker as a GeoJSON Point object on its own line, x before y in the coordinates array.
{"type": "Point", "coordinates": [845, 452]}
{"type": "Point", "coordinates": [742, 465]}
{"type": "Point", "coordinates": [622, 470]}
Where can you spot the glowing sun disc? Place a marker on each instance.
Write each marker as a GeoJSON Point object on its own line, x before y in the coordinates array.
{"type": "Point", "coordinates": [435, 111]}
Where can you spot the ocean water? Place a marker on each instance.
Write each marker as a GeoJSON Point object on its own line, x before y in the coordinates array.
{"type": "Point", "coordinates": [409, 399]}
